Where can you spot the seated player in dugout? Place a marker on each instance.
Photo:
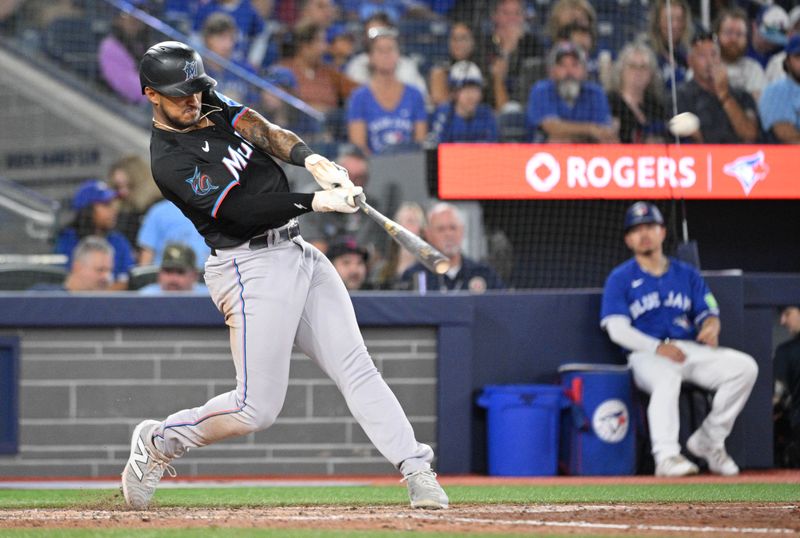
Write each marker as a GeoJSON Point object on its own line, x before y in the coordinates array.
{"type": "Point", "coordinates": [216, 160]}
{"type": "Point", "coordinates": [663, 314]}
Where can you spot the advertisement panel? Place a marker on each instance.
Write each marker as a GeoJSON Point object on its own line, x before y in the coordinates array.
{"type": "Point", "coordinates": [617, 171]}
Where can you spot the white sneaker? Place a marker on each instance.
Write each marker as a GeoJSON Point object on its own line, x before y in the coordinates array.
{"type": "Point", "coordinates": [719, 462]}
{"type": "Point", "coordinates": [676, 466]}
{"type": "Point", "coordinates": [145, 467]}
{"type": "Point", "coordinates": [424, 490]}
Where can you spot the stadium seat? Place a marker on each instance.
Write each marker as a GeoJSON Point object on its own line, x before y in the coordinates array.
{"type": "Point", "coordinates": [142, 275]}
{"type": "Point", "coordinates": [21, 276]}
{"type": "Point", "coordinates": [511, 126]}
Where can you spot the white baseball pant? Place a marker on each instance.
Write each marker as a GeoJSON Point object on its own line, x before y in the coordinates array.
{"type": "Point", "coordinates": [271, 298]}
{"type": "Point", "coordinates": [731, 374]}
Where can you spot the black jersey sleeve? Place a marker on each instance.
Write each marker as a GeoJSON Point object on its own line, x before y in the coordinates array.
{"type": "Point", "coordinates": [231, 110]}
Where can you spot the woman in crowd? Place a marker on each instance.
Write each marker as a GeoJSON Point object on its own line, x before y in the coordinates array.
{"type": "Point", "coordinates": [385, 115]}
{"type": "Point", "coordinates": [658, 37]}
{"type": "Point", "coordinates": [635, 96]}
{"type": "Point", "coordinates": [461, 46]}
{"type": "Point", "coordinates": [411, 216]}
{"type": "Point", "coordinates": [130, 176]}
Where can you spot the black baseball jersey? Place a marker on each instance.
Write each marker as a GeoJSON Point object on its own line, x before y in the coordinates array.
{"type": "Point", "coordinates": [198, 170]}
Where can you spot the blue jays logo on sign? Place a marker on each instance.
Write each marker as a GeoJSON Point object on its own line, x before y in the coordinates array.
{"type": "Point", "coordinates": [190, 68]}
{"type": "Point", "coordinates": [748, 170]}
{"type": "Point", "coordinates": [201, 183]}
{"type": "Point", "coordinates": [610, 421]}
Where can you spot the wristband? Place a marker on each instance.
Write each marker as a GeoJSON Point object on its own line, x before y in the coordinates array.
{"type": "Point", "coordinates": [298, 154]}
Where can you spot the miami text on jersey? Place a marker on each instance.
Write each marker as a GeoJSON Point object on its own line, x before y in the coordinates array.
{"type": "Point", "coordinates": [237, 159]}
{"type": "Point", "coordinates": [652, 301]}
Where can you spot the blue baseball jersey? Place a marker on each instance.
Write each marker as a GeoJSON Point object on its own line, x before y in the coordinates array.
{"type": "Point", "coordinates": [672, 305]}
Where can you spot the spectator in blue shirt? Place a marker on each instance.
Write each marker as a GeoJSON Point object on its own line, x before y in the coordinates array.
{"type": "Point", "coordinates": [566, 107]}
{"type": "Point", "coordinates": [96, 209]}
{"type": "Point", "coordinates": [464, 118]}
{"type": "Point", "coordinates": [780, 102]}
{"type": "Point", "coordinates": [385, 114]}
{"type": "Point", "coordinates": [768, 33]}
{"type": "Point", "coordinates": [162, 224]}
{"type": "Point", "coordinates": [220, 36]}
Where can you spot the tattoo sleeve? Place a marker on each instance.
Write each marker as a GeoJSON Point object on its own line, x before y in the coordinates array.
{"type": "Point", "coordinates": [267, 136]}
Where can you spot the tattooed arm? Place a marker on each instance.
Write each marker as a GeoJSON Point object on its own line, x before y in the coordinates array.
{"type": "Point", "coordinates": [267, 136]}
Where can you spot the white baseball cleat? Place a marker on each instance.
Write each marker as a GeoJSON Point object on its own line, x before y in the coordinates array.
{"type": "Point", "coordinates": [719, 462]}
{"type": "Point", "coordinates": [145, 467]}
{"type": "Point", "coordinates": [424, 490]}
{"type": "Point", "coordinates": [676, 466]}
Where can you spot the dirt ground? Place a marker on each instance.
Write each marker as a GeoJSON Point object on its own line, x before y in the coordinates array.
{"type": "Point", "coordinates": [640, 519]}
{"type": "Point", "coordinates": [720, 519]}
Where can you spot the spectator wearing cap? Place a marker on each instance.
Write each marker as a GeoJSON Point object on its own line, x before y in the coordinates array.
{"type": "Point", "coordinates": [636, 96]}
{"type": "Point", "coordinates": [177, 272]}
{"type": "Point", "coordinates": [96, 208]}
{"type": "Point", "coordinates": [318, 84]}
{"type": "Point", "coordinates": [780, 102]}
{"type": "Point", "coordinates": [744, 72]}
{"type": "Point", "coordinates": [727, 115]}
{"type": "Point", "coordinates": [576, 21]}
{"type": "Point", "coordinates": [341, 46]}
{"type": "Point", "coordinates": [566, 107]}
{"type": "Point", "coordinates": [360, 66]}
{"type": "Point", "coordinates": [350, 261]}
{"type": "Point", "coordinates": [775, 68]}
{"type": "Point", "coordinates": [386, 115]}
{"type": "Point", "coordinates": [465, 118]}
{"type": "Point", "coordinates": [787, 391]}
{"type": "Point", "coordinates": [461, 47]}
{"type": "Point", "coordinates": [768, 34]}
{"type": "Point", "coordinates": [445, 231]}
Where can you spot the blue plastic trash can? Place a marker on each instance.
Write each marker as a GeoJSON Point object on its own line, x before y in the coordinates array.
{"type": "Point", "coordinates": [597, 434]}
{"type": "Point", "coordinates": [522, 428]}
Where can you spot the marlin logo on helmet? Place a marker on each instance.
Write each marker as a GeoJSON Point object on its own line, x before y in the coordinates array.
{"type": "Point", "coordinates": [190, 68]}
{"type": "Point", "coordinates": [201, 183]}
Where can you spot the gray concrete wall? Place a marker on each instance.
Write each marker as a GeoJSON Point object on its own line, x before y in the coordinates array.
{"type": "Point", "coordinates": [83, 390]}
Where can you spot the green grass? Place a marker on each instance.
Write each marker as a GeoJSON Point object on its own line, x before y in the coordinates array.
{"type": "Point", "coordinates": [388, 495]}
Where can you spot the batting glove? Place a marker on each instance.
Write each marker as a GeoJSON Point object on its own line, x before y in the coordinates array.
{"type": "Point", "coordinates": [337, 199]}
{"type": "Point", "coordinates": [327, 173]}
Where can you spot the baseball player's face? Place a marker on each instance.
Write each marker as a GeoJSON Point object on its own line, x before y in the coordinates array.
{"type": "Point", "coordinates": [790, 318]}
{"type": "Point", "coordinates": [180, 112]}
{"type": "Point", "coordinates": [352, 269]}
{"type": "Point", "coordinates": [445, 232]}
{"type": "Point", "coordinates": [645, 239]}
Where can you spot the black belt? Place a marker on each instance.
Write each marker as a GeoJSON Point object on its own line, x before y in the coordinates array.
{"type": "Point", "coordinates": [272, 237]}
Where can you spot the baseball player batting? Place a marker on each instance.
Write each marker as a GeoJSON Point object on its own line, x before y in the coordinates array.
{"type": "Point", "coordinates": [662, 311]}
{"type": "Point", "coordinates": [213, 158]}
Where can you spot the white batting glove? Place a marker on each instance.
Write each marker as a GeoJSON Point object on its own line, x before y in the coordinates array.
{"type": "Point", "coordinates": [338, 199]}
{"type": "Point", "coordinates": [327, 173]}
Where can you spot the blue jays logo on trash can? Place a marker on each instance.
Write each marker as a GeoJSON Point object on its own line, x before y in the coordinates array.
{"type": "Point", "coordinates": [610, 421]}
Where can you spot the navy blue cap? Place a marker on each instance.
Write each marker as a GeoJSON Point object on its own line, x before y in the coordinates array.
{"type": "Point", "coordinates": [642, 213]}
{"type": "Point", "coordinates": [347, 245]}
{"type": "Point", "coordinates": [793, 45]}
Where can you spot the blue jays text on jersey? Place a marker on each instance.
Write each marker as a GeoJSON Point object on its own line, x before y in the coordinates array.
{"type": "Point", "coordinates": [672, 305]}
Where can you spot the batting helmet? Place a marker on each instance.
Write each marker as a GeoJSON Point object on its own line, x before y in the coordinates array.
{"type": "Point", "coordinates": [642, 213]}
{"type": "Point", "coordinates": [175, 69]}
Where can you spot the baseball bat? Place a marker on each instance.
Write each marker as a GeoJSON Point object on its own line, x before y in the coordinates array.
{"type": "Point", "coordinates": [431, 258]}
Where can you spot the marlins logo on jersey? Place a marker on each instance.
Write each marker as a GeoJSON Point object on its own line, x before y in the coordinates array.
{"type": "Point", "coordinates": [201, 183]}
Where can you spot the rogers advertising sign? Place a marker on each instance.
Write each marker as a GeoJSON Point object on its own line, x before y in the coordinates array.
{"type": "Point", "coordinates": [616, 171]}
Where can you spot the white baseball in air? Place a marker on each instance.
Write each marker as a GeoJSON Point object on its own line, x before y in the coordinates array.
{"type": "Point", "coordinates": [684, 124]}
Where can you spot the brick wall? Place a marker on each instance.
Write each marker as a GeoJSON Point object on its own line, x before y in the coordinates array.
{"type": "Point", "coordinates": [83, 390]}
